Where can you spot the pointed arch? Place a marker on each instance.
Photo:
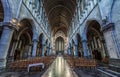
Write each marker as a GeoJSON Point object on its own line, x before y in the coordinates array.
{"type": "Point", "coordinates": [7, 10]}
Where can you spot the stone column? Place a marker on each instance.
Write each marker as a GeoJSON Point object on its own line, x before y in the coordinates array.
{"type": "Point", "coordinates": [43, 50]}
{"type": "Point", "coordinates": [85, 48]}
{"type": "Point", "coordinates": [47, 48]}
{"type": "Point", "coordinates": [73, 50]}
{"type": "Point", "coordinates": [68, 50]}
{"type": "Point", "coordinates": [72, 53]}
{"type": "Point", "coordinates": [50, 51]}
{"type": "Point", "coordinates": [15, 42]}
{"type": "Point", "coordinates": [76, 50]}
{"type": "Point", "coordinates": [4, 45]}
{"type": "Point", "coordinates": [30, 50]}
{"type": "Point", "coordinates": [34, 49]}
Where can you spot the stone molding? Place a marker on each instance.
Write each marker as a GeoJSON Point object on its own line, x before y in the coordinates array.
{"type": "Point", "coordinates": [107, 27]}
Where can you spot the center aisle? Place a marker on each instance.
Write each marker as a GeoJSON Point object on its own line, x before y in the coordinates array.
{"type": "Point", "coordinates": [59, 68]}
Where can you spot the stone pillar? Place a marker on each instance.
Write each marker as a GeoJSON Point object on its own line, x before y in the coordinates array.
{"type": "Point", "coordinates": [73, 50]}
{"type": "Point", "coordinates": [43, 50]}
{"type": "Point", "coordinates": [47, 48]}
{"type": "Point", "coordinates": [85, 49]}
{"type": "Point", "coordinates": [69, 52]}
{"type": "Point", "coordinates": [50, 51]}
{"type": "Point", "coordinates": [4, 45]}
{"type": "Point", "coordinates": [76, 50]}
{"type": "Point", "coordinates": [15, 42]}
{"type": "Point", "coordinates": [30, 50]}
{"type": "Point", "coordinates": [34, 49]}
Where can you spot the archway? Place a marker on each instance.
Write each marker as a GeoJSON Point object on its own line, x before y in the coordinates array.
{"type": "Point", "coordinates": [59, 43]}
{"type": "Point", "coordinates": [21, 43]}
{"type": "Point", "coordinates": [80, 49]}
{"type": "Point", "coordinates": [40, 45]}
{"type": "Point", "coordinates": [96, 43]}
{"type": "Point", "coordinates": [23, 49]}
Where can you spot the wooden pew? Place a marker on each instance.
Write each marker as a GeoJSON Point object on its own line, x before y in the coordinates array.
{"type": "Point", "coordinates": [80, 62]}
{"type": "Point", "coordinates": [23, 64]}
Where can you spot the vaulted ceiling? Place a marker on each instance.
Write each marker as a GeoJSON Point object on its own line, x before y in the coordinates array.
{"type": "Point", "coordinates": [60, 13]}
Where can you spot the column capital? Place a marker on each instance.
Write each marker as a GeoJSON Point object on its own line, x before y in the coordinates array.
{"type": "Point", "coordinates": [5, 24]}
{"type": "Point", "coordinates": [108, 26]}
{"type": "Point", "coordinates": [9, 25]}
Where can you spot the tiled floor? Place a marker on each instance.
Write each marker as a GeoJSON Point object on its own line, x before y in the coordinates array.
{"type": "Point", "coordinates": [59, 68]}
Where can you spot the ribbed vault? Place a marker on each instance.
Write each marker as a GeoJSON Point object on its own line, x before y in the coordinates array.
{"type": "Point", "coordinates": [60, 13]}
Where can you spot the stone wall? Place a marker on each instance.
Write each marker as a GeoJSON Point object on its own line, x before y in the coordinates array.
{"type": "Point", "coordinates": [116, 19]}
{"type": "Point", "coordinates": [14, 4]}
{"type": "Point", "coordinates": [102, 12]}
